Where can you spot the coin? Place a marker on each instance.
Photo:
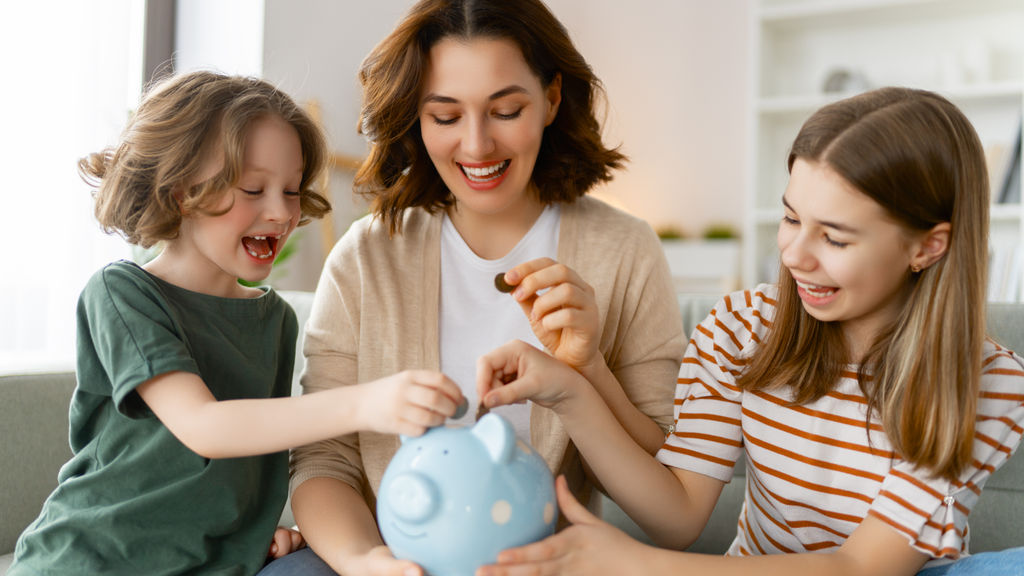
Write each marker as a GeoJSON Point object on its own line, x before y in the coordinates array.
{"type": "Point", "coordinates": [461, 409]}
{"type": "Point", "coordinates": [501, 285]}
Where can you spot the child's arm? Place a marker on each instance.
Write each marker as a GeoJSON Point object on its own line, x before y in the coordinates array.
{"type": "Point", "coordinates": [405, 403]}
{"type": "Point", "coordinates": [672, 506]}
{"type": "Point", "coordinates": [340, 528]}
{"type": "Point", "coordinates": [591, 546]}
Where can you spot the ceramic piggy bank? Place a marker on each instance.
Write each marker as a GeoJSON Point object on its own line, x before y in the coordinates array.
{"type": "Point", "coordinates": [454, 498]}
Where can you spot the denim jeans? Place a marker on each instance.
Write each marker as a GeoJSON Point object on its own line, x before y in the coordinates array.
{"type": "Point", "coordinates": [303, 562]}
{"type": "Point", "coordinates": [1008, 562]}
{"type": "Point", "coordinates": [1003, 563]}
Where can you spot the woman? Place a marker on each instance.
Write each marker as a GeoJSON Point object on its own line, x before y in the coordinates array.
{"type": "Point", "coordinates": [485, 142]}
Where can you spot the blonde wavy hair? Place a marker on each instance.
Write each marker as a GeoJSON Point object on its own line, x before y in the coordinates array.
{"type": "Point", "coordinates": [147, 182]}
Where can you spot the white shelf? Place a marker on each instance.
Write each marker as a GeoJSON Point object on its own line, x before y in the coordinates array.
{"type": "Point", "coordinates": [970, 51]}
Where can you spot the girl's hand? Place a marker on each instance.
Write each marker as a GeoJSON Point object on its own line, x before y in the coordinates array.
{"type": "Point", "coordinates": [408, 403]}
{"type": "Point", "coordinates": [565, 317]}
{"type": "Point", "coordinates": [285, 542]}
{"type": "Point", "coordinates": [516, 372]}
{"type": "Point", "coordinates": [589, 547]}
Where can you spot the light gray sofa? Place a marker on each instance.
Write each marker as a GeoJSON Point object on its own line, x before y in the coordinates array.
{"type": "Point", "coordinates": [34, 444]}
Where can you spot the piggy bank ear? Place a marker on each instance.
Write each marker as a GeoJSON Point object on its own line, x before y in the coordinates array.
{"type": "Point", "coordinates": [497, 436]}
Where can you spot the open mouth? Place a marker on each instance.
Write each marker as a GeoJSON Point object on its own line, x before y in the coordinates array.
{"type": "Point", "coordinates": [261, 247]}
{"type": "Point", "coordinates": [816, 291]}
{"type": "Point", "coordinates": [484, 174]}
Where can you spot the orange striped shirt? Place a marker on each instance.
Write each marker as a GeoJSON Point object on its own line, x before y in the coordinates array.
{"type": "Point", "coordinates": [813, 473]}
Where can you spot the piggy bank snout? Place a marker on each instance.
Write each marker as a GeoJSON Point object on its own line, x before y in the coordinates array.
{"type": "Point", "coordinates": [413, 497]}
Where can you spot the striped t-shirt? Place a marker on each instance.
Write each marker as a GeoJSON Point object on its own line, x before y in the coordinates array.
{"type": "Point", "coordinates": [813, 474]}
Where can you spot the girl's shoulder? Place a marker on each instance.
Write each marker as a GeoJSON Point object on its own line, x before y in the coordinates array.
{"type": "Point", "coordinates": [1002, 368]}
{"type": "Point", "coordinates": [750, 305]}
{"type": "Point", "coordinates": [121, 277]}
{"type": "Point", "coordinates": [739, 321]}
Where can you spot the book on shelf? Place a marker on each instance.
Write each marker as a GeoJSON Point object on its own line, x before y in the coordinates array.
{"type": "Point", "coordinates": [1009, 183]}
{"type": "Point", "coordinates": [1005, 267]}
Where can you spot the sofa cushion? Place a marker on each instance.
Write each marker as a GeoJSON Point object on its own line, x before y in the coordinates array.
{"type": "Point", "coordinates": [34, 428]}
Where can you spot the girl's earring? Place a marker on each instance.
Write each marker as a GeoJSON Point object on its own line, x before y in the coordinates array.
{"type": "Point", "coordinates": [915, 268]}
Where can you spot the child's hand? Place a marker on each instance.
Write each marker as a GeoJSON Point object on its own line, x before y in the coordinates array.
{"type": "Point", "coordinates": [590, 546]}
{"type": "Point", "coordinates": [409, 402]}
{"type": "Point", "coordinates": [285, 542]}
{"type": "Point", "coordinates": [380, 562]}
{"type": "Point", "coordinates": [516, 372]}
{"type": "Point", "coordinates": [564, 318]}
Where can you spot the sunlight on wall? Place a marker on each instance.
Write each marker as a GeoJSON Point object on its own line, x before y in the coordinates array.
{"type": "Point", "coordinates": [76, 70]}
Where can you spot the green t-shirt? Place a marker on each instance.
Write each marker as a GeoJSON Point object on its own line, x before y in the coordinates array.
{"type": "Point", "coordinates": [134, 500]}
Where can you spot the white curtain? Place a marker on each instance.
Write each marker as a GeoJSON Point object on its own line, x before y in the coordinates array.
{"type": "Point", "coordinates": [72, 74]}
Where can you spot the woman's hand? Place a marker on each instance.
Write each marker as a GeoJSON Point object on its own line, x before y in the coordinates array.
{"type": "Point", "coordinates": [516, 372]}
{"type": "Point", "coordinates": [564, 317]}
{"type": "Point", "coordinates": [408, 403]}
{"type": "Point", "coordinates": [589, 547]}
{"type": "Point", "coordinates": [285, 542]}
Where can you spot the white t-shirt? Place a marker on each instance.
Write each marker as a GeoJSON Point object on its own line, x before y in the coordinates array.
{"type": "Point", "coordinates": [476, 318]}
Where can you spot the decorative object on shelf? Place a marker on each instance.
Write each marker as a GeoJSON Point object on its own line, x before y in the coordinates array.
{"type": "Point", "coordinates": [454, 498]}
{"type": "Point", "coordinates": [670, 232]}
{"type": "Point", "coordinates": [720, 232]}
{"type": "Point", "coordinates": [845, 81]}
{"type": "Point", "coordinates": [1009, 189]}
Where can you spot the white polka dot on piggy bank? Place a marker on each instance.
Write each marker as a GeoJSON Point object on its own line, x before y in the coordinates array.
{"type": "Point", "coordinates": [454, 498]}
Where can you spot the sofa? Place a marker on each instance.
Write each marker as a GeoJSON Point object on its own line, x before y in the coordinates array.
{"type": "Point", "coordinates": [33, 428]}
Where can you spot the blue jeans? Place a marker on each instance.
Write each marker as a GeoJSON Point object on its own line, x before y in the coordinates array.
{"type": "Point", "coordinates": [303, 562]}
{"type": "Point", "coordinates": [1003, 563]}
{"type": "Point", "coordinates": [1008, 562]}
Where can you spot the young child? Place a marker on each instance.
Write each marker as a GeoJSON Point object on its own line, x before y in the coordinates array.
{"type": "Point", "coordinates": [182, 419]}
{"type": "Point", "coordinates": [862, 389]}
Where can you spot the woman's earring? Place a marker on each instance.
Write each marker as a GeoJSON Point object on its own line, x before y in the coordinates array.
{"type": "Point", "coordinates": [915, 268]}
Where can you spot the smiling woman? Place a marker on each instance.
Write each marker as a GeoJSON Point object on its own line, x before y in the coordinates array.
{"type": "Point", "coordinates": [74, 93]}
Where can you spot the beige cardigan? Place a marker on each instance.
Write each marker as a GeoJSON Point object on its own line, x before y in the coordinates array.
{"type": "Point", "coordinates": [376, 313]}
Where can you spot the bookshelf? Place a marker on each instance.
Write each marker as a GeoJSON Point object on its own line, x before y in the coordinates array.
{"type": "Point", "coordinates": [971, 51]}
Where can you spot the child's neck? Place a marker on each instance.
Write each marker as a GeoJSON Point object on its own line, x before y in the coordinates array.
{"type": "Point", "coordinates": [179, 272]}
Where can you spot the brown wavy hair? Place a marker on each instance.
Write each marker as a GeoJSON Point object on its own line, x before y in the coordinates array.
{"type": "Point", "coordinates": [399, 174]}
{"type": "Point", "coordinates": [917, 156]}
{"type": "Point", "coordinates": [149, 180]}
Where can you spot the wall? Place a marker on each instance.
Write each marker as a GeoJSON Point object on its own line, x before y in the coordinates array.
{"type": "Point", "coordinates": [676, 73]}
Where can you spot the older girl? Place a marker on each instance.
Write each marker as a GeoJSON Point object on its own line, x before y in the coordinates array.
{"type": "Point", "coordinates": [862, 390]}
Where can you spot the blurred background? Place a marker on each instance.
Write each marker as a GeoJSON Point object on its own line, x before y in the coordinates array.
{"type": "Point", "coordinates": [703, 96]}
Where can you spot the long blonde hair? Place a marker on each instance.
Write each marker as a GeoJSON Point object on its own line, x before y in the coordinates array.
{"type": "Point", "coordinates": [916, 155]}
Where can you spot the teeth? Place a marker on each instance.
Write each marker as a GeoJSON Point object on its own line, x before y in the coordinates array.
{"type": "Point", "coordinates": [255, 254]}
{"type": "Point", "coordinates": [815, 290]}
{"type": "Point", "coordinates": [485, 172]}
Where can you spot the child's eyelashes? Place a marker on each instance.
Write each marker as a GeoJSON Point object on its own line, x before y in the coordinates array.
{"type": "Point", "coordinates": [835, 243]}
{"type": "Point", "coordinates": [258, 192]}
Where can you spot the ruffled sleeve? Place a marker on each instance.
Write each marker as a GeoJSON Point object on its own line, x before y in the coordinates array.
{"type": "Point", "coordinates": [933, 513]}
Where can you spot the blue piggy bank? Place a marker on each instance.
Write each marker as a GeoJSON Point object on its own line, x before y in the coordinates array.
{"type": "Point", "coordinates": [450, 500]}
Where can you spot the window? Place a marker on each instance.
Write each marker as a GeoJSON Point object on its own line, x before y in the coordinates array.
{"type": "Point", "coordinates": [73, 73]}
